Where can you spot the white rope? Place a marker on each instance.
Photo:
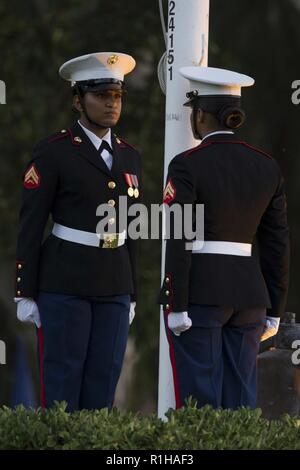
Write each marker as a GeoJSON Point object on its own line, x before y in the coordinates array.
{"type": "Point", "coordinates": [162, 64]}
{"type": "Point", "coordinates": [163, 24]}
{"type": "Point", "coordinates": [161, 72]}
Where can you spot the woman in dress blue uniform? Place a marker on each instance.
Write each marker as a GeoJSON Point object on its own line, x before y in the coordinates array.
{"type": "Point", "coordinates": [79, 285]}
{"type": "Point", "coordinates": [220, 299]}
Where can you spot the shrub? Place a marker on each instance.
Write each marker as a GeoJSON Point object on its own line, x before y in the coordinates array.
{"type": "Point", "coordinates": [188, 428]}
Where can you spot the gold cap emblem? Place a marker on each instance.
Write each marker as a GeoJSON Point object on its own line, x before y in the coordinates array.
{"type": "Point", "coordinates": [112, 59]}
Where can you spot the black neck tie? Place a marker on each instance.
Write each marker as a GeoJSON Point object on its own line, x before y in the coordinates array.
{"type": "Point", "coordinates": [105, 146]}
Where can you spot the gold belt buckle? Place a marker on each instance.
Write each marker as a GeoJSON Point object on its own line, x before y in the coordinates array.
{"type": "Point", "coordinates": [111, 240]}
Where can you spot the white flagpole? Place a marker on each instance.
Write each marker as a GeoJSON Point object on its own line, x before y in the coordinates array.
{"type": "Point", "coordinates": [187, 44]}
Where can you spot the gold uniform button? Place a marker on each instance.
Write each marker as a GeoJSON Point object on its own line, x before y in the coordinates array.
{"type": "Point", "coordinates": [19, 292]}
{"type": "Point", "coordinates": [111, 203]}
{"type": "Point", "coordinates": [167, 306]}
{"type": "Point", "coordinates": [111, 221]}
{"type": "Point", "coordinates": [167, 280]}
{"type": "Point", "coordinates": [112, 185]}
{"type": "Point", "coordinates": [18, 279]}
{"type": "Point", "coordinates": [167, 292]}
{"type": "Point", "coordinates": [19, 266]}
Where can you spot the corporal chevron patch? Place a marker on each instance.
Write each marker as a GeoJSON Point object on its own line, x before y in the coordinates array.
{"type": "Point", "coordinates": [32, 178]}
{"type": "Point", "coordinates": [169, 193]}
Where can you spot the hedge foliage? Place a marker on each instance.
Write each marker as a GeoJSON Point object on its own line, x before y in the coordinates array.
{"type": "Point", "coordinates": [188, 428]}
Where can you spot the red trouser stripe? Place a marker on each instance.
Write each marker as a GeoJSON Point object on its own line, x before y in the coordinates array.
{"type": "Point", "coordinates": [173, 364]}
{"type": "Point", "coordinates": [41, 354]}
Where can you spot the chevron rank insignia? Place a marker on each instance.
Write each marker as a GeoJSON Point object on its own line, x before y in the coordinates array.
{"type": "Point", "coordinates": [32, 178]}
{"type": "Point", "coordinates": [169, 193]}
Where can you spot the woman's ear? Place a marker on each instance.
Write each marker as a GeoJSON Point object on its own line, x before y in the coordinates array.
{"type": "Point", "coordinates": [200, 116]}
{"type": "Point", "coordinates": [76, 103]}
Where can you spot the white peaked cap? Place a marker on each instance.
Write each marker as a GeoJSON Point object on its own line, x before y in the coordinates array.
{"type": "Point", "coordinates": [100, 65]}
{"type": "Point", "coordinates": [215, 81]}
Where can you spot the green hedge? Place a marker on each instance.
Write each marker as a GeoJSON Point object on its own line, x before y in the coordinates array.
{"type": "Point", "coordinates": [188, 429]}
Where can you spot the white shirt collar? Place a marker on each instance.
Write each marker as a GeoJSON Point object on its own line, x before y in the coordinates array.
{"type": "Point", "coordinates": [217, 132]}
{"type": "Point", "coordinates": [96, 141]}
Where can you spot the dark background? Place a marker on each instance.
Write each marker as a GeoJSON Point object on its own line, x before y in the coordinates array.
{"type": "Point", "coordinates": [258, 37]}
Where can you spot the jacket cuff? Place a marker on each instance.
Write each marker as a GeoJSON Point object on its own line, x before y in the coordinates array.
{"type": "Point", "coordinates": [23, 288]}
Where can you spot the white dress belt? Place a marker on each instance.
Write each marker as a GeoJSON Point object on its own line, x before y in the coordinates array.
{"type": "Point", "coordinates": [89, 238]}
{"type": "Point", "coordinates": [222, 248]}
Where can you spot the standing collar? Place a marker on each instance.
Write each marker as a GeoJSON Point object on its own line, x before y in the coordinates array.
{"type": "Point", "coordinates": [97, 141]}
{"type": "Point", "coordinates": [216, 133]}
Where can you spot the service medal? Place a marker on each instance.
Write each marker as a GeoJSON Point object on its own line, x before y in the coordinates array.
{"type": "Point", "coordinates": [130, 191]}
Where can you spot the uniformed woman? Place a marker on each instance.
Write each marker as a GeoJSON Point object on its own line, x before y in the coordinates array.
{"type": "Point", "coordinates": [79, 285]}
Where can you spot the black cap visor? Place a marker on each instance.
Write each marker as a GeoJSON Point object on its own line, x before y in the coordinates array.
{"type": "Point", "coordinates": [100, 84]}
{"type": "Point", "coordinates": [212, 103]}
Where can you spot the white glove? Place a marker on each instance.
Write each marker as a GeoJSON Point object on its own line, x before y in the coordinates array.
{"type": "Point", "coordinates": [27, 311]}
{"type": "Point", "coordinates": [178, 322]}
{"type": "Point", "coordinates": [270, 328]}
{"type": "Point", "coordinates": [132, 312]}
